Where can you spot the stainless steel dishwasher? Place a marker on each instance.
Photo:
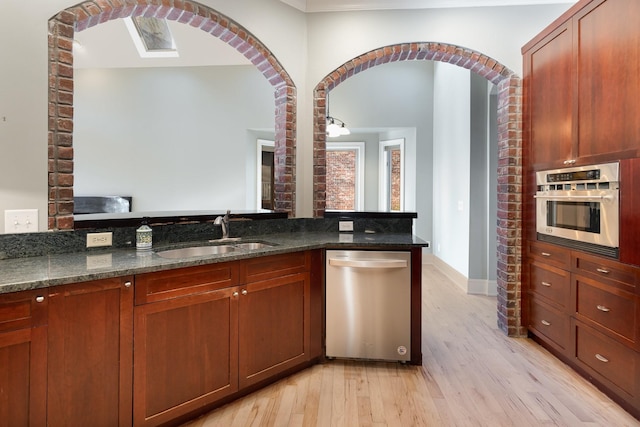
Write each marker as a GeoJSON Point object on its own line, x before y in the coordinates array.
{"type": "Point", "coordinates": [368, 305]}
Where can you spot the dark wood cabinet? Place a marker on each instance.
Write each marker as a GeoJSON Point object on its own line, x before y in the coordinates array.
{"type": "Point", "coordinates": [23, 358]}
{"type": "Point", "coordinates": [549, 82]}
{"type": "Point", "coordinates": [90, 354]}
{"type": "Point", "coordinates": [606, 40]}
{"type": "Point", "coordinates": [273, 327]}
{"type": "Point", "coordinates": [580, 86]}
{"type": "Point", "coordinates": [204, 333]}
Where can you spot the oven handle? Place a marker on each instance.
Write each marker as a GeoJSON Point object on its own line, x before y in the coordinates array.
{"type": "Point", "coordinates": [605, 197]}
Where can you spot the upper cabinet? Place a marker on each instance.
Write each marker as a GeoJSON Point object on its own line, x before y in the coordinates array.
{"type": "Point", "coordinates": [581, 85]}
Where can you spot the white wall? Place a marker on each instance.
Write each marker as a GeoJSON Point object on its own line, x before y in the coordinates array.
{"type": "Point", "coordinates": [451, 168]}
{"type": "Point", "coordinates": [169, 137]}
{"type": "Point", "coordinates": [308, 46]}
{"type": "Point", "coordinates": [395, 99]}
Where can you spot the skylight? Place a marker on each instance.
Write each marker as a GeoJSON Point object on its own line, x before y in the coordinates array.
{"type": "Point", "coordinates": [152, 37]}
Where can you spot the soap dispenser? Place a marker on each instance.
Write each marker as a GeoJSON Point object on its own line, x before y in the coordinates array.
{"type": "Point", "coordinates": [143, 237]}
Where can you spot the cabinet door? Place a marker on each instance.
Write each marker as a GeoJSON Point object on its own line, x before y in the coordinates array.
{"type": "Point", "coordinates": [186, 354]}
{"type": "Point", "coordinates": [23, 359]}
{"type": "Point", "coordinates": [607, 36]}
{"type": "Point", "coordinates": [90, 354]}
{"type": "Point", "coordinates": [273, 327]}
{"type": "Point", "coordinates": [549, 87]}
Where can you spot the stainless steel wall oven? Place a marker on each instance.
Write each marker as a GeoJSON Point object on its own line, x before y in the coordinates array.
{"type": "Point", "coordinates": [579, 207]}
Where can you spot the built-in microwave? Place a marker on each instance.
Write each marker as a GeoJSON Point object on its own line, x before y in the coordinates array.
{"type": "Point", "coordinates": [579, 207]}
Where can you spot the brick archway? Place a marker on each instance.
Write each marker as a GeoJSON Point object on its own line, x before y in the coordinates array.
{"type": "Point", "coordinates": [62, 28]}
{"type": "Point", "coordinates": [509, 153]}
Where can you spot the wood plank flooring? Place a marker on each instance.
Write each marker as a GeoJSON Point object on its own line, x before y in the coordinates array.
{"type": "Point", "coordinates": [472, 375]}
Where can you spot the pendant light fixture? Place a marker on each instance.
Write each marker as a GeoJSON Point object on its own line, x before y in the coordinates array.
{"type": "Point", "coordinates": [335, 126]}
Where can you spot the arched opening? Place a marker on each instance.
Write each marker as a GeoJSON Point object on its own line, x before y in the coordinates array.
{"type": "Point", "coordinates": [62, 28]}
{"type": "Point", "coordinates": [509, 117]}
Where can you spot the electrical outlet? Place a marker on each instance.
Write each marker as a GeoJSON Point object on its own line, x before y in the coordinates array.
{"type": "Point", "coordinates": [95, 240]}
{"type": "Point", "coordinates": [21, 221]}
{"type": "Point", "coordinates": [345, 225]}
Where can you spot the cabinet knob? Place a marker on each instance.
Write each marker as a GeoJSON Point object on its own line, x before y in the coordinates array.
{"type": "Point", "coordinates": [127, 284]}
{"type": "Point", "coordinates": [235, 294]}
{"type": "Point", "coordinates": [39, 298]}
{"type": "Point", "coordinates": [244, 292]}
{"type": "Point", "coordinates": [603, 308]}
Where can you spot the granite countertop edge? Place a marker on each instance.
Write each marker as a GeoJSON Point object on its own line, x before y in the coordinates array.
{"type": "Point", "coordinates": [32, 273]}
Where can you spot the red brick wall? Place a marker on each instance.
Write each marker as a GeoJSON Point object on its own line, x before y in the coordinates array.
{"type": "Point", "coordinates": [509, 228]}
{"type": "Point", "coordinates": [341, 180]}
{"type": "Point", "coordinates": [62, 28]}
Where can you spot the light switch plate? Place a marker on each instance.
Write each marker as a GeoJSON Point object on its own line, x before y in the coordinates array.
{"type": "Point", "coordinates": [21, 221]}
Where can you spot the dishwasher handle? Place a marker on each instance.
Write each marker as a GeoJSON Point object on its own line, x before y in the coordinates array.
{"type": "Point", "coordinates": [368, 263]}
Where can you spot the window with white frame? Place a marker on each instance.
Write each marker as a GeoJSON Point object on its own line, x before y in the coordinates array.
{"type": "Point", "coordinates": [265, 174]}
{"type": "Point", "coordinates": [345, 176]}
{"type": "Point", "coordinates": [391, 176]}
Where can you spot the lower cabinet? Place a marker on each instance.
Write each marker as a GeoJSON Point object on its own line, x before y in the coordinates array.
{"type": "Point", "coordinates": [273, 327]}
{"type": "Point", "coordinates": [108, 353]}
{"type": "Point", "coordinates": [23, 359]}
{"type": "Point", "coordinates": [204, 333]}
{"type": "Point", "coordinates": [90, 354]}
{"type": "Point", "coordinates": [586, 309]}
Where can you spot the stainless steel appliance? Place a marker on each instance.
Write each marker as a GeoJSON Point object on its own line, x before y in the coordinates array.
{"type": "Point", "coordinates": [368, 305]}
{"type": "Point", "coordinates": [579, 207]}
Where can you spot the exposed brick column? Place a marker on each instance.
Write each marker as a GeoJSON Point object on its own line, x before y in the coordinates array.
{"type": "Point", "coordinates": [62, 28]}
{"type": "Point", "coordinates": [510, 206]}
{"type": "Point", "coordinates": [509, 144]}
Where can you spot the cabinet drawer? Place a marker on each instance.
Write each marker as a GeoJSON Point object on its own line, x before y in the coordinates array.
{"type": "Point", "coordinates": [19, 310]}
{"type": "Point", "coordinates": [262, 268]}
{"type": "Point", "coordinates": [609, 307]}
{"type": "Point", "coordinates": [549, 322]}
{"type": "Point", "coordinates": [617, 274]}
{"type": "Point", "coordinates": [613, 362]}
{"type": "Point", "coordinates": [164, 285]}
{"type": "Point", "coordinates": [551, 283]}
{"type": "Point", "coordinates": [550, 254]}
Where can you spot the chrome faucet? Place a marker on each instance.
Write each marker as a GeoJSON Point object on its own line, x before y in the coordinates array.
{"type": "Point", "coordinates": [224, 222]}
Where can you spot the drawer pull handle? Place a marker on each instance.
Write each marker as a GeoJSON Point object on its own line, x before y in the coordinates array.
{"type": "Point", "coordinates": [602, 270]}
{"type": "Point", "coordinates": [601, 358]}
{"type": "Point", "coordinates": [603, 308]}
{"type": "Point", "coordinates": [545, 254]}
{"type": "Point", "coordinates": [545, 323]}
{"type": "Point", "coordinates": [547, 284]}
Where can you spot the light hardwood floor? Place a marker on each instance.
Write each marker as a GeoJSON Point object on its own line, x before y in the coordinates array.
{"type": "Point", "coordinates": [472, 375]}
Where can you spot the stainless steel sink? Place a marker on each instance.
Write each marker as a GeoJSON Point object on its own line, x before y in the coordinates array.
{"type": "Point", "coordinates": [253, 245]}
{"type": "Point", "coordinates": [194, 251]}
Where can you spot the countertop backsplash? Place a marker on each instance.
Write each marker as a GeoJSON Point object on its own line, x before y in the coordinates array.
{"type": "Point", "coordinates": [60, 242]}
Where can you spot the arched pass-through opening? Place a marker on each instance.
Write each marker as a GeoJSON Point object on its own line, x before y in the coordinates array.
{"type": "Point", "coordinates": [62, 28]}
{"type": "Point", "coordinates": [509, 227]}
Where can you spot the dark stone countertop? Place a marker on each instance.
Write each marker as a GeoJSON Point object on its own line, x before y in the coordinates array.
{"type": "Point", "coordinates": [58, 269]}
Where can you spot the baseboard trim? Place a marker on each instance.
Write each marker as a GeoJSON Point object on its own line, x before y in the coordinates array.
{"type": "Point", "coordinates": [469, 286]}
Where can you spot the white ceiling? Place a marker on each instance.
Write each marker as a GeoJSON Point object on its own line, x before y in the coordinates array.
{"type": "Point", "coordinates": [344, 5]}
{"type": "Point", "coordinates": [109, 45]}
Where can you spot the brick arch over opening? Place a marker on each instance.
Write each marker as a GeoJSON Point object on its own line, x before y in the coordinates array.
{"type": "Point", "coordinates": [509, 153]}
{"type": "Point", "coordinates": [62, 28]}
